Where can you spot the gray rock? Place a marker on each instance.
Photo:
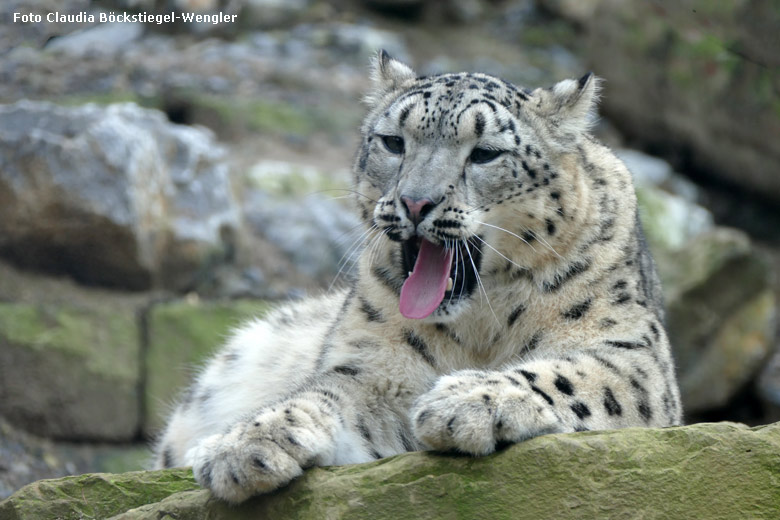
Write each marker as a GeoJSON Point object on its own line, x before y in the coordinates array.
{"type": "Point", "coordinates": [721, 316]}
{"type": "Point", "coordinates": [653, 171]}
{"type": "Point", "coordinates": [671, 221]}
{"type": "Point", "coordinates": [720, 309]}
{"type": "Point", "coordinates": [104, 39]}
{"type": "Point", "coordinates": [27, 458]}
{"type": "Point", "coordinates": [287, 206]}
{"type": "Point", "coordinates": [692, 79]}
{"type": "Point", "coordinates": [267, 14]}
{"type": "Point", "coordinates": [112, 195]}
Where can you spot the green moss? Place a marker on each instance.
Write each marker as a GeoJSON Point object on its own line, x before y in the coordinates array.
{"type": "Point", "coordinates": [93, 496]}
{"type": "Point", "coordinates": [181, 336]}
{"type": "Point", "coordinates": [107, 339]}
{"type": "Point", "coordinates": [123, 459]}
{"type": "Point", "coordinates": [108, 98]}
{"type": "Point", "coordinates": [555, 32]}
{"type": "Point", "coordinates": [258, 115]}
{"type": "Point", "coordinates": [294, 181]}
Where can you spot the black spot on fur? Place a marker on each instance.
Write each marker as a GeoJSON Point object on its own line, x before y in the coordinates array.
{"type": "Point", "coordinates": [560, 279]}
{"type": "Point", "coordinates": [420, 347]}
{"type": "Point", "coordinates": [645, 411]}
{"type": "Point", "coordinates": [167, 458]}
{"type": "Point", "coordinates": [578, 311]}
{"type": "Point", "coordinates": [532, 343]}
{"type": "Point", "coordinates": [530, 376]}
{"type": "Point", "coordinates": [259, 463]}
{"type": "Point", "coordinates": [543, 394]}
{"type": "Point", "coordinates": [346, 370]}
{"type": "Point", "coordinates": [512, 380]}
{"type": "Point", "coordinates": [550, 227]}
{"type": "Point", "coordinates": [654, 330]}
{"type": "Point", "coordinates": [385, 276]}
{"type": "Point", "coordinates": [624, 344]}
{"type": "Point", "coordinates": [564, 385]}
{"type": "Point", "coordinates": [449, 425]}
{"type": "Point", "coordinates": [581, 410]}
{"type": "Point", "coordinates": [479, 124]}
{"type": "Point", "coordinates": [622, 298]}
{"type": "Point", "coordinates": [363, 429]}
{"type": "Point", "coordinates": [404, 115]}
{"type": "Point", "coordinates": [515, 314]}
{"type": "Point", "coordinates": [328, 394]}
{"type": "Point", "coordinates": [371, 313]}
{"type": "Point", "coordinates": [607, 323]}
{"type": "Point", "coordinates": [611, 404]}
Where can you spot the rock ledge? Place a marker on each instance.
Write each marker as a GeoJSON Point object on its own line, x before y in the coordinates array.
{"type": "Point", "coordinates": [720, 470]}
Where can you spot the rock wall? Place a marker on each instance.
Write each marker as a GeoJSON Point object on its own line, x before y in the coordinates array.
{"type": "Point", "coordinates": [703, 471]}
{"type": "Point", "coordinates": [113, 196]}
{"type": "Point", "coordinates": [696, 79]}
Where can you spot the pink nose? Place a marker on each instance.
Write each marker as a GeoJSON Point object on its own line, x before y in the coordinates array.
{"type": "Point", "coordinates": [417, 208]}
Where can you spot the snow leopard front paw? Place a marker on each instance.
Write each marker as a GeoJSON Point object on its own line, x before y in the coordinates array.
{"type": "Point", "coordinates": [473, 412]}
{"type": "Point", "coordinates": [260, 455]}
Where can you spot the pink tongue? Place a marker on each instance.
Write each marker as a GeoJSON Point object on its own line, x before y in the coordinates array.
{"type": "Point", "coordinates": [424, 290]}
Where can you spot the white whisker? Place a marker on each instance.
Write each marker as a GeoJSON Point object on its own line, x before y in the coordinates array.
{"type": "Point", "coordinates": [455, 280]}
{"type": "Point", "coordinates": [547, 245]}
{"type": "Point", "coordinates": [373, 247]}
{"type": "Point", "coordinates": [350, 252]}
{"type": "Point", "coordinates": [479, 281]}
{"type": "Point", "coordinates": [499, 253]}
{"type": "Point", "coordinates": [507, 231]}
{"type": "Point", "coordinates": [343, 189]}
{"type": "Point", "coordinates": [462, 285]}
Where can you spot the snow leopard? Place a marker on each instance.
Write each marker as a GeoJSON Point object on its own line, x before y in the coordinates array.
{"type": "Point", "coordinates": [504, 291]}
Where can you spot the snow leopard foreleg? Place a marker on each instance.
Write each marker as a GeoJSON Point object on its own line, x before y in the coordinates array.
{"type": "Point", "coordinates": [273, 446]}
{"type": "Point", "coordinates": [477, 411]}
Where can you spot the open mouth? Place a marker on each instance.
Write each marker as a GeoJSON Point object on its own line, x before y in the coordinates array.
{"type": "Point", "coordinates": [435, 274]}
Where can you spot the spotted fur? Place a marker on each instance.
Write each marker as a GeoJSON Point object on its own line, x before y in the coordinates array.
{"type": "Point", "coordinates": [553, 324]}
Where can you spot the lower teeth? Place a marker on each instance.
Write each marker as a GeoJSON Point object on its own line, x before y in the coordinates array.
{"type": "Point", "coordinates": [449, 284]}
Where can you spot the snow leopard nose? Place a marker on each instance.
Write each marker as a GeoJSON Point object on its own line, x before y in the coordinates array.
{"type": "Point", "coordinates": [417, 209]}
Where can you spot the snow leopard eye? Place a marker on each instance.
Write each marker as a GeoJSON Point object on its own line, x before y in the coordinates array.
{"type": "Point", "coordinates": [393, 143]}
{"type": "Point", "coordinates": [483, 155]}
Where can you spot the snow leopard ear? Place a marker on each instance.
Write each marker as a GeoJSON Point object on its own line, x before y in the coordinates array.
{"type": "Point", "coordinates": [387, 74]}
{"type": "Point", "coordinates": [569, 105]}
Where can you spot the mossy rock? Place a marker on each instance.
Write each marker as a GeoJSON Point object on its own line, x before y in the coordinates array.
{"type": "Point", "coordinates": [70, 371]}
{"type": "Point", "coordinates": [711, 471]}
{"type": "Point", "coordinates": [181, 336]}
{"type": "Point", "coordinates": [93, 496]}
